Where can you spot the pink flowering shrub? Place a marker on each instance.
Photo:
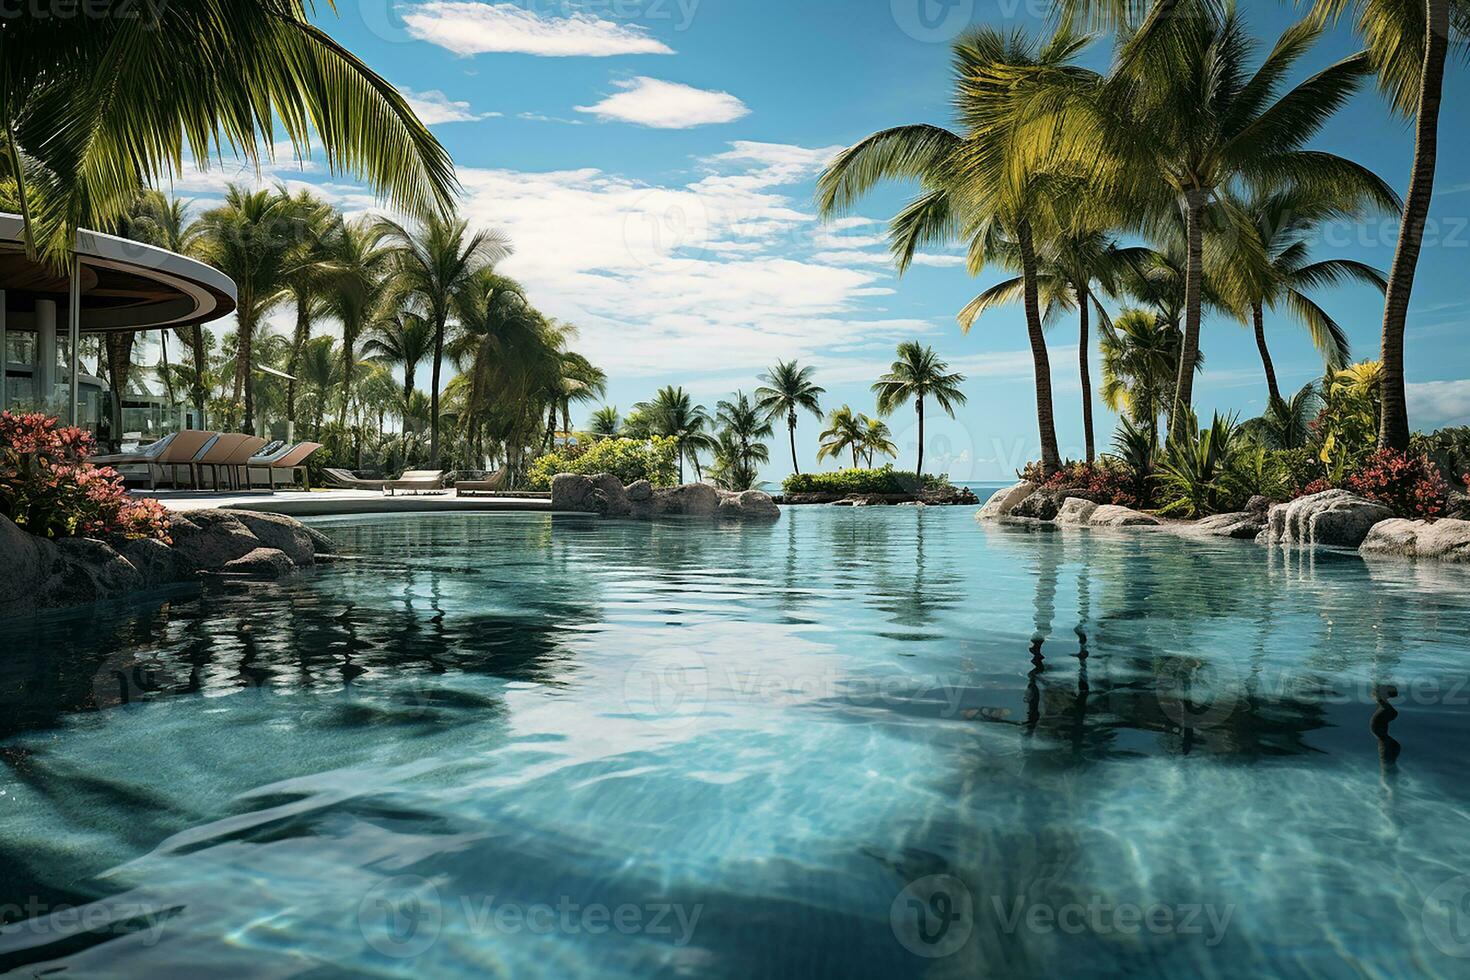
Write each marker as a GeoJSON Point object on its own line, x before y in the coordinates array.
{"type": "Point", "coordinates": [48, 488]}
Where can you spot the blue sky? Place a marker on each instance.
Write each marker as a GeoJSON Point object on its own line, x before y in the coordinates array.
{"type": "Point", "coordinates": [653, 160]}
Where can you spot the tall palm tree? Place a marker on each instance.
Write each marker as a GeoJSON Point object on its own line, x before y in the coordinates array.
{"type": "Point", "coordinates": [605, 423]}
{"type": "Point", "coordinates": [360, 293]}
{"type": "Point", "coordinates": [1262, 260]}
{"type": "Point", "coordinates": [984, 185]}
{"type": "Point", "coordinates": [916, 375]}
{"type": "Point", "coordinates": [742, 421]}
{"type": "Point", "coordinates": [845, 432]}
{"type": "Point", "coordinates": [877, 439]}
{"type": "Point", "coordinates": [1408, 46]}
{"type": "Point", "coordinates": [1140, 360]}
{"type": "Point", "coordinates": [1181, 116]}
{"type": "Point", "coordinates": [737, 464]}
{"type": "Point", "coordinates": [437, 261]}
{"type": "Point", "coordinates": [321, 374]}
{"type": "Point", "coordinates": [106, 104]}
{"type": "Point", "coordinates": [673, 414]}
{"type": "Point", "coordinates": [250, 239]}
{"type": "Point", "coordinates": [308, 271]}
{"type": "Point", "coordinates": [403, 340]}
{"type": "Point", "coordinates": [786, 390]}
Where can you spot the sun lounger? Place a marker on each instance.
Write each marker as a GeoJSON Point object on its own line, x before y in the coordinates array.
{"type": "Point", "coordinates": [139, 456]}
{"type": "Point", "coordinates": [181, 450]}
{"type": "Point", "coordinates": [347, 480]}
{"type": "Point", "coordinates": [417, 481]}
{"type": "Point", "coordinates": [287, 459]}
{"type": "Point", "coordinates": [493, 483]}
{"type": "Point", "coordinates": [230, 450]}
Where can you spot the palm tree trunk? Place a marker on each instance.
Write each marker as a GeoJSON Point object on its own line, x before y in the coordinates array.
{"type": "Point", "coordinates": [434, 394]}
{"type": "Point", "coordinates": [1193, 288]}
{"type": "Point", "coordinates": [1051, 459]}
{"type": "Point", "coordinates": [791, 428]}
{"type": "Point", "coordinates": [919, 469]}
{"type": "Point", "coordinates": [1259, 316]}
{"type": "Point", "coordinates": [1084, 296]}
{"type": "Point", "coordinates": [348, 342]}
{"type": "Point", "coordinates": [201, 394]}
{"type": "Point", "coordinates": [1393, 431]}
{"type": "Point", "coordinates": [243, 344]}
{"type": "Point", "coordinates": [119, 359]}
{"type": "Point", "coordinates": [303, 333]}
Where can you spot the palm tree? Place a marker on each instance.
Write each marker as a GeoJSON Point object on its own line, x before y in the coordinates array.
{"type": "Point", "coordinates": [307, 273]}
{"type": "Point", "coordinates": [1287, 423]}
{"type": "Point", "coordinates": [1181, 117]}
{"type": "Point", "coordinates": [1408, 46]}
{"type": "Point", "coordinates": [877, 439]}
{"type": "Point", "coordinates": [788, 389]}
{"type": "Point", "coordinates": [736, 464]}
{"type": "Point", "coordinates": [1263, 262]}
{"type": "Point", "coordinates": [96, 107]}
{"type": "Point", "coordinates": [360, 293]}
{"type": "Point", "coordinates": [402, 340]}
{"type": "Point", "coordinates": [985, 186]}
{"type": "Point", "coordinates": [918, 374]}
{"type": "Point", "coordinates": [844, 433]}
{"type": "Point", "coordinates": [1140, 360]}
{"type": "Point", "coordinates": [673, 415]}
{"type": "Point", "coordinates": [321, 374]}
{"type": "Point", "coordinates": [605, 423]}
{"type": "Point", "coordinates": [437, 261]}
{"type": "Point", "coordinates": [250, 239]}
{"type": "Point", "coordinates": [742, 420]}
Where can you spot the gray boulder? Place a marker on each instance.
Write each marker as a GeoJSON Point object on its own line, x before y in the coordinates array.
{"type": "Point", "coordinates": [154, 560]}
{"type": "Point", "coordinates": [90, 571]}
{"type": "Point", "coordinates": [264, 563]}
{"type": "Point", "coordinates": [206, 540]}
{"type": "Point", "coordinates": [609, 498]}
{"type": "Point", "coordinates": [282, 533]}
{"type": "Point", "coordinates": [28, 562]}
{"type": "Point", "coordinates": [1260, 505]}
{"type": "Point", "coordinates": [690, 500]}
{"type": "Point", "coordinates": [572, 493]}
{"type": "Point", "coordinates": [320, 543]}
{"type": "Point", "coordinates": [1334, 518]}
{"type": "Point", "coordinates": [1043, 505]}
{"type": "Point", "coordinates": [1446, 540]}
{"type": "Point", "coordinates": [1003, 502]}
{"type": "Point", "coordinates": [750, 505]}
{"type": "Point", "coordinates": [1076, 512]}
{"type": "Point", "coordinates": [639, 491]}
{"type": "Point", "coordinates": [1245, 526]}
{"type": "Point", "coordinates": [1111, 515]}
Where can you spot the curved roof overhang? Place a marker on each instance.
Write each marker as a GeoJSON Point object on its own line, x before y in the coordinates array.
{"type": "Point", "coordinates": [126, 285]}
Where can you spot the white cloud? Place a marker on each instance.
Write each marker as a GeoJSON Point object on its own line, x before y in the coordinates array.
{"type": "Point", "coordinates": [469, 28]}
{"type": "Point", "coordinates": [667, 105]}
{"type": "Point", "coordinates": [435, 108]}
{"type": "Point", "coordinates": [940, 261]}
{"type": "Point", "coordinates": [1434, 404]}
{"type": "Point", "coordinates": [851, 257]}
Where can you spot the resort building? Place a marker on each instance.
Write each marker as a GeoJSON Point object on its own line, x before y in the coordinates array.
{"type": "Point", "coordinates": [117, 285]}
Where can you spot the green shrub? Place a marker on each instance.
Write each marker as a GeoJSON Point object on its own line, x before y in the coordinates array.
{"type": "Point", "coordinates": [630, 460]}
{"type": "Point", "coordinates": [1448, 449]}
{"type": "Point", "coordinates": [885, 480]}
{"type": "Point", "coordinates": [1194, 473]}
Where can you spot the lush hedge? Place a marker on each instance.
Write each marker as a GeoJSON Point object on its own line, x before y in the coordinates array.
{"type": "Point", "coordinates": [886, 480]}
{"type": "Point", "coordinates": [630, 460]}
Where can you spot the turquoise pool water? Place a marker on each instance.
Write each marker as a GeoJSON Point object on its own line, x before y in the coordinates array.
{"type": "Point", "coordinates": [883, 742]}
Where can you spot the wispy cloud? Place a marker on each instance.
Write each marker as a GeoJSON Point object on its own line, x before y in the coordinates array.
{"type": "Point", "coordinates": [469, 28]}
{"type": "Point", "coordinates": [1439, 403]}
{"type": "Point", "coordinates": [666, 105]}
{"type": "Point", "coordinates": [435, 108]}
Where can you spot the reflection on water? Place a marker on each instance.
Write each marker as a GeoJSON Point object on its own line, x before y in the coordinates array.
{"type": "Point", "coordinates": [867, 743]}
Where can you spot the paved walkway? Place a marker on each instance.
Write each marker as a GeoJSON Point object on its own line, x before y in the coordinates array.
{"type": "Point", "coordinates": [320, 503]}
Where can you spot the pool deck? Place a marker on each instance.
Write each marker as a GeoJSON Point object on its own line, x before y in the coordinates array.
{"type": "Point", "coordinates": [321, 503]}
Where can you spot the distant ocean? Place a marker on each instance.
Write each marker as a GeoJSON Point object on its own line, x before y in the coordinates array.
{"type": "Point", "coordinates": [983, 490]}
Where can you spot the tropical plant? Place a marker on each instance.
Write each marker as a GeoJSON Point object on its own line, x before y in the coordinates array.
{"type": "Point", "coordinates": [321, 377]}
{"type": "Point", "coordinates": [884, 480]}
{"type": "Point", "coordinates": [403, 340]}
{"type": "Point", "coordinates": [1408, 46]}
{"type": "Point", "coordinates": [1410, 486]}
{"type": "Point", "coordinates": [1133, 456]}
{"type": "Point", "coordinates": [437, 262]}
{"type": "Point", "coordinates": [877, 439]}
{"type": "Point", "coordinates": [1140, 358]}
{"type": "Point", "coordinates": [673, 415]}
{"type": "Point", "coordinates": [845, 432]}
{"type": "Point", "coordinates": [1193, 474]}
{"type": "Point", "coordinates": [1287, 423]}
{"type": "Point", "coordinates": [919, 374]}
{"type": "Point", "coordinates": [361, 293]}
{"type": "Point", "coordinates": [1351, 415]}
{"type": "Point", "coordinates": [630, 460]}
{"type": "Point", "coordinates": [96, 107]}
{"type": "Point", "coordinates": [741, 450]}
{"type": "Point", "coordinates": [785, 390]}
{"type": "Point", "coordinates": [308, 269]}
{"type": "Point", "coordinates": [605, 423]}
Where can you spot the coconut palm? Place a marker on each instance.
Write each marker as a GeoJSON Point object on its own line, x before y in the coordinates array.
{"type": "Point", "coordinates": [673, 415]}
{"type": "Point", "coordinates": [308, 270]}
{"type": "Point", "coordinates": [436, 262]}
{"type": "Point", "coordinates": [736, 464]}
{"type": "Point", "coordinates": [96, 107]}
{"type": "Point", "coordinates": [250, 238]}
{"type": "Point", "coordinates": [786, 390]}
{"type": "Point", "coordinates": [605, 423]}
{"type": "Point", "coordinates": [1287, 423]}
{"type": "Point", "coordinates": [164, 222]}
{"type": "Point", "coordinates": [1140, 361]}
{"type": "Point", "coordinates": [1408, 46]}
{"type": "Point", "coordinates": [877, 439]}
{"type": "Point", "coordinates": [743, 421]}
{"type": "Point", "coordinates": [844, 433]}
{"type": "Point", "coordinates": [403, 340]}
{"type": "Point", "coordinates": [321, 375]}
{"type": "Point", "coordinates": [916, 375]}
{"type": "Point", "coordinates": [361, 290]}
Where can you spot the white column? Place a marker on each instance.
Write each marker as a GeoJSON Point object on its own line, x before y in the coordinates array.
{"type": "Point", "coordinates": [74, 341]}
{"type": "Point", "coordinates": [45, 373]}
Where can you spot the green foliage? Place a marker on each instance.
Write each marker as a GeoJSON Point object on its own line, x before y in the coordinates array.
{"type": "Point", "coordinates": [1448, 449]}
{"type": "Point", "coordinates": [885, 480]}
{"type": "Point", "coordinates": [1195, 473]}
{"type": "Point", "coordinates": [630, 460]}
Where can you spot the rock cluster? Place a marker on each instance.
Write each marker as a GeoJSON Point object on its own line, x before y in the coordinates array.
{"type": "Point", "coordinates": [1446, 540]}
{"type": "Point", "coordinates": [1064, 507]}
{"type": "Point", "coordinates": [1334, 518]}
{"type": "Point", "coordinates": [45, 574]}
{"type": "Point", "coordinates": [605, 495]}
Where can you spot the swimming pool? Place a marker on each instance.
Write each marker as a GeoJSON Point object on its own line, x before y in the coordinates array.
{"type": "Point", "coordinates": [872, 742]}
